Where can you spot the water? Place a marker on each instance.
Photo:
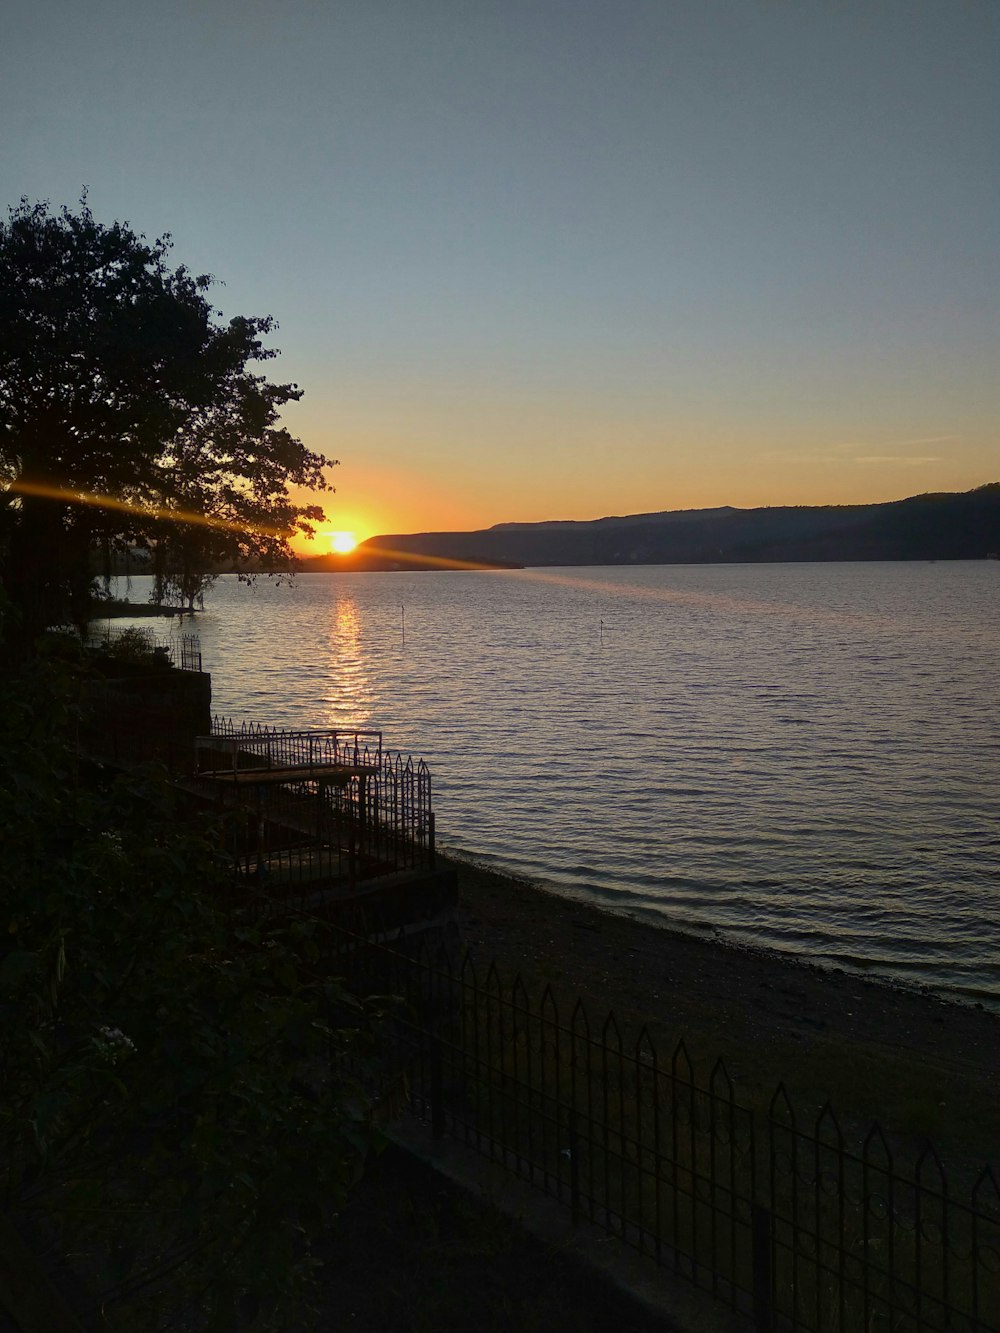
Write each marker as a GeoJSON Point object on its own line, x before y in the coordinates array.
{"type": "Point", "coordinates": [805, 757]}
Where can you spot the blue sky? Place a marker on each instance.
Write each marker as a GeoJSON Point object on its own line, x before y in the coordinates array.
{"type": "Point", "coordinates": [537, 260]}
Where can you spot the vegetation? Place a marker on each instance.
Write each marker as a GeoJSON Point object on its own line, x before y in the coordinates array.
{"type": "Point", "coordinates": [131, 652]}
{"type": "Point", "coordinates": [177, 1114]}
{"type": "Point", "coordinates": [129, 415]}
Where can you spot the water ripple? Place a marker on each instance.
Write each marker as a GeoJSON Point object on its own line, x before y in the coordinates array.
{"type": "Point", "coordinates": [801, 756]}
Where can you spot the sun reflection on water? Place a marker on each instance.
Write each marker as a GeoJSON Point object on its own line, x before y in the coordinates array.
{"type": "Point", "coordinates": [349, 696]}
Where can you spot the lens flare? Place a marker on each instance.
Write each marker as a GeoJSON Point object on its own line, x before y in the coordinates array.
{"type": "Point", "coordinates": [115, 504]}
{"type": "Point", "coordinates": [710, 600]}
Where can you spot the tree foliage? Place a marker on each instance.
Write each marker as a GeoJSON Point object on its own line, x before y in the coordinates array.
{"type": "Point", "coordinates": [176, 1108]}
{"type": "Point", "coordinates": [118, 380]}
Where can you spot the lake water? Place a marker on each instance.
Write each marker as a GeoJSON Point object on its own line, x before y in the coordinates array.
{"type": "Point", "coordinates": [805, 757]}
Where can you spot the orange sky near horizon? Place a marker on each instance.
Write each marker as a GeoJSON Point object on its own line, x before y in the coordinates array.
{"type": "Point", "coordinates": [443, 454]}
{"type": "Point", "coordinates": [397, 495]}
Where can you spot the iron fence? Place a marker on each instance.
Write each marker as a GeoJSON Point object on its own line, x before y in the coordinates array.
{"type": "Point", "coordinates": [314, 809]}
{"type": "Point", "coordinates": [778, 1214]}
{"type": "Point", "coordinates": [190, 652]}
{"type": "Point", "coordinates": [127, 643]}
{"type": "Point", "coordinates": [307, 811]}
{"type": "Point", "coordinates": [249, 744]}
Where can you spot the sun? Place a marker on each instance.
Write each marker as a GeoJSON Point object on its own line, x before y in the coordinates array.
{"type": "Point", "coordinates": [342, 542]}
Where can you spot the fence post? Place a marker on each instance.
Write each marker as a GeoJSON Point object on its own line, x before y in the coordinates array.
{"type": "Point", "coordinates": [431, 847]}
{"type": "Point", "coordinates": [574, 1169]}
{"type": "Point", "coordinates": [437, 1089]}
{"type": "Point", "coordinates": [763, 1248]}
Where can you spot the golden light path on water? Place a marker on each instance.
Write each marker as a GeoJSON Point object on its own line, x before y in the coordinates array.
{"type": "Point", "coordinates": [352, 703]}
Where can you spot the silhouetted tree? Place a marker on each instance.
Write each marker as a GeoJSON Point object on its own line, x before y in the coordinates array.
{"type": "Point", "coordinates": [123, 402]}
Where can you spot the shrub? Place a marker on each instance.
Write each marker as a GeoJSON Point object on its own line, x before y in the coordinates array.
{"type": "Point", "coordinates": [177, 1111]}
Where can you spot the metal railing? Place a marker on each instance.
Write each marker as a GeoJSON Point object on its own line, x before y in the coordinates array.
{"type": "Point", "coordinates": [250, 745]}
{"type": "Point", "coordinates": [190, 652]}
{"type": "Point", "coordinates": [132, 642]}
{"type": "Point", "coordinates": [780, 1214]}
{"type": "Point", "coordinates": [315, 809]}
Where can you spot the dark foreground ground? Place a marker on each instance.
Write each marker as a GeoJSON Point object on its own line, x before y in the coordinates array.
{"type": "Point", "coordinates": [414, 1253]}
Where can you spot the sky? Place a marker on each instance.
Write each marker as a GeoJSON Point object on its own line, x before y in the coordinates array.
{"type": "Point", "coordinates": [537, 259]}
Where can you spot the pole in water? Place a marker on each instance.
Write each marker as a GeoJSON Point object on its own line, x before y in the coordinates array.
{"type": "Point", "coordinates": [602, 633]}
{"type": "Point", "coordinates": [402, 624]}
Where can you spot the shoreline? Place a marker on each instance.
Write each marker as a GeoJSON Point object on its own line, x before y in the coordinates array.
{"type": "Point", "coordinates": [922, 1065]}
{"type": "Point", "coordinates": [729, 938]}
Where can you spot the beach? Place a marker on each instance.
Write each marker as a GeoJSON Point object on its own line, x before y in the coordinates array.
{"type": "Point", "coordinates": [924, 1068]}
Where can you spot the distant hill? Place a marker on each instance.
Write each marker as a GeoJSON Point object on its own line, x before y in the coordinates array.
{"type": "Point", "coordinates": [962, 526]}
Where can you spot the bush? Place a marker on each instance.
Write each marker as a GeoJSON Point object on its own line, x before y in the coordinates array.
{"type": "Point", "coordinates": [177, 1109]}
{"type": "Point", "coordinates": [132, 651]}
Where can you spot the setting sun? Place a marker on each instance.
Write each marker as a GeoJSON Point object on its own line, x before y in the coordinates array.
{"type": "Point", "coordinates": [342, 542]}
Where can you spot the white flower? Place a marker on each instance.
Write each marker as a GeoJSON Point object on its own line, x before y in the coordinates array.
{"type": "Point", "coordinates": [112, 1045]}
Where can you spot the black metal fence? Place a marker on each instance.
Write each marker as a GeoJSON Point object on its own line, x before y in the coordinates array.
{"type": "Point", "coordinates": [316, 809]}
{"type": "Point", "coordinates": [125, 643]}
{"type": "Point", "coordinates": [781, 1214]}
{"type": "Point", "coordinates": [189, 646]}
{"type": "Point", "coordinates": [246, 743]}
{"type": "Point", "coordinates": [307, 812]}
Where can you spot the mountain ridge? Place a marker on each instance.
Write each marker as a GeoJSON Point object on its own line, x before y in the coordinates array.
{"type": "Point", "coordinates": [932, 526]}
{"type": "Point", "coordinates": [665, 515]}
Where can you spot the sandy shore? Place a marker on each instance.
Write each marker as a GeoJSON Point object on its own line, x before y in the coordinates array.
{"type": "Point", "coordinates": [922, 1067]}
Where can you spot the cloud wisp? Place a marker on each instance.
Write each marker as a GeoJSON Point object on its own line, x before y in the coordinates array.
{"type": "Point", "coordinates": [907, 460]}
